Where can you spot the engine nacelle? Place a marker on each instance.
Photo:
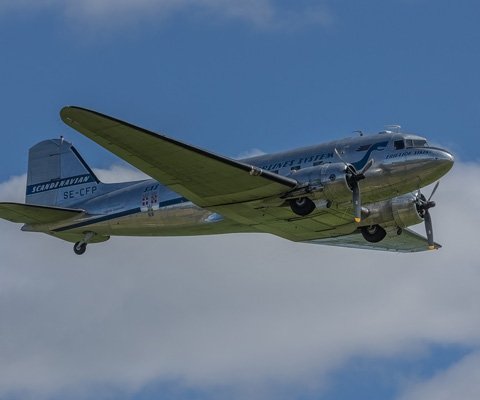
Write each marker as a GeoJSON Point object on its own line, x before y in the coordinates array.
{"type": "Point", "coordinates": [401, 210]}
{"type": "Point", "coordinates": [405, 211]}
{"type": "Point", "coordinates": [328, 181]}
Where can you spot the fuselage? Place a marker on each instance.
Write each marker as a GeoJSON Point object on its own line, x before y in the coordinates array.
{"type": "Point", "coordinates": [402, 163]}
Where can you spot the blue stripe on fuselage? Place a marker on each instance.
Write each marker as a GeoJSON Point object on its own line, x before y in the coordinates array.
{"type": "Point", "coordinates": [377, 146]}
{"type": "Point", "coordinates": [103, 218]}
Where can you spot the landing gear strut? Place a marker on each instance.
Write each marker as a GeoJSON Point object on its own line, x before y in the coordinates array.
{"type": "Point", "coordinates": [80, 247]}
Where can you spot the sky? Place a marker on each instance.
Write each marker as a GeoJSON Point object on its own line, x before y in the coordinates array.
{"type": "Point", "coordinates": [248, 315]}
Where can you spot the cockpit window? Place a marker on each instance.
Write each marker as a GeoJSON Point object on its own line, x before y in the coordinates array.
{"type": "Point", "coordinates": [415, 143]}
{"type": "Point", "coordinates": [419, 143]}
{"type": "Point", "coordinates": [409, 143]}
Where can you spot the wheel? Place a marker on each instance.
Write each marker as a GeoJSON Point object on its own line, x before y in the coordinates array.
{"type": "Point", "coordinates": [302, 206]}
{"type": "Point", "coordinates": [79, 248]}
{"type": "Point", "coordinates": [373, 233]}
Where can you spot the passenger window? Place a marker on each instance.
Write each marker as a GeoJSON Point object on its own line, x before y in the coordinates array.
{"type": "Point", "coordinates": [399, 144]}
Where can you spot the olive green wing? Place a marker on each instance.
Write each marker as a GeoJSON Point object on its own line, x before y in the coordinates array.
{"type": "Point", "coordinates": [407, 242]}
{"type": "Point", "coordinates": [201, 176]}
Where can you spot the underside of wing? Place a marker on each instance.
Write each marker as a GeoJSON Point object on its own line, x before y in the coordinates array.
{"type": "Point", "coordinates": [332, 227]}
{"type": "Point", "coordinates": [33, 214]}
{"type": "Point", "coordinates": [203, 177]}
{"type": "Point", "coordinates": [407, 242]}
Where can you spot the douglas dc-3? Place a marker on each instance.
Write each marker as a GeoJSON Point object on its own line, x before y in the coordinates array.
{"type": "Point", "coordinates": [361, 192]}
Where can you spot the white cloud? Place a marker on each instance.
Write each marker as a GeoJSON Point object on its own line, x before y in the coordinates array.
{"type": "Point", "coordinates": [461, 381]}
{"type": "Point", "coordinates": [250, 153]}
{"type": "Point", "coordinates": [237, 310]}
{"type": "Point", "coordinates": [105, 13]}
{"type": "Point", "coordinates": [119, 173]}
{"type": "Point", "coordinates": [14, 189]}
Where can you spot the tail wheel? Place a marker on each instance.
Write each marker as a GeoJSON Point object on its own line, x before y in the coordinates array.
{"type": "Point", "coordinates": [79, 248]}
{"type": "Point", "coordinates": [302, 206]}
{"type": "Point", "coordinates": [373, 233]}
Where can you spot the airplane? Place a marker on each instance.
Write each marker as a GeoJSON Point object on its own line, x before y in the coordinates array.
{"type": "Point", "coordinates": [361, 192]}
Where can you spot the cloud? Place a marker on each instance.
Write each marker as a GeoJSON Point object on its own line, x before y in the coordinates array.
{"type": "Point", "coordinates": [103, 13]}
{"type": "Point", "coordinates": [461, 381]}
{"type": "Point", "coordinates": [237, 311]}
{"type": "Point", "coordinates": [250, 153]}
{"type": "Point", "coordinates": [119, 173]}
{"type": "Point", "coordinates": [14, 189]}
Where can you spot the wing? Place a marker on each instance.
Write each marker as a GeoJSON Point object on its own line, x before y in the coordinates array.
{"type": "Point", "coordinates": [32, 214]}
{"type": "Point", "coordinates": [203, 177]}
{"type": "Point", "coordinates": [327, 226]}
{"type": "Point", "coordinates": [407, 242]}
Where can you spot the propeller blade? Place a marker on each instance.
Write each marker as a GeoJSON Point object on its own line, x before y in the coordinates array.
{"type": "Point", "coordinates": [357, 203]}
{"type": "Point", "coordinates": [367, 166]}
{"type": "Point", "coordinates": [353, 178]}
{"type": "Point", "coordinates": [340, 157]}
{"type": "Point", "coordinates": [433, 191]}
{"type": "Point", "coordinates": [429, 230]}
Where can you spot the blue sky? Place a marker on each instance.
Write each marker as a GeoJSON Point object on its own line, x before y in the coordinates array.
{"type": "Point", "coordinates": [236, 77]}
{"type": "Point", "coordinates": [232, 84]}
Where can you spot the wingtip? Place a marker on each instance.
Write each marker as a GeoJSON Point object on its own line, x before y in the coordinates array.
{"type": "Point", "coordinates": [64, 109]}
{"type": "Point", "coordinates": [64, 114]}
{"type": "Point", "coordinates": [68, 113]}
{"type": "Point", "coordinates": [67, 109]}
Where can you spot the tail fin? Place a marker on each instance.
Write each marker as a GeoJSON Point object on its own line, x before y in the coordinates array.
{"type": "Point", "coordinates": [58, 175]}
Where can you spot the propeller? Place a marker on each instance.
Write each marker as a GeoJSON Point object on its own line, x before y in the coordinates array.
{"type": "Point", "coordinates": [423, 207]}
{"type": "Point", "coordinates": [353, 177]}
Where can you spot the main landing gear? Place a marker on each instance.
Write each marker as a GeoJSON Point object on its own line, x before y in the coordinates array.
{"type": "Point", "coordinates": [302, 206]}
{"type": "Point", "coordinates": [373, 233]}
{"type": "Point", "coordinates": [80, 247]}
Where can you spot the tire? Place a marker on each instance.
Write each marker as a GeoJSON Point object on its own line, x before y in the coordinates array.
{"type": "Point", "coordinates": [302, 206]}
{"type": "Point", "coordinates": [373, 233]}
{"type": "Point", "coordinates": [79, 248]}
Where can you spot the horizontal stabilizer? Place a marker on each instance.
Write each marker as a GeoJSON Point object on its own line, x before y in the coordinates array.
{"type": "Point", "coordinates": [34, 214]}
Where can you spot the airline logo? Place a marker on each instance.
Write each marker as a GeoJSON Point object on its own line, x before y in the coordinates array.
{"type": "Point", "coordinates": [59, 183]}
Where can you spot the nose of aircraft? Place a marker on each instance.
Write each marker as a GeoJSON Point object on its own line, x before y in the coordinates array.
{"type": "Point", "coordinates": [444, 159]}
{"type": "Point", "coordinates": [435, 165]}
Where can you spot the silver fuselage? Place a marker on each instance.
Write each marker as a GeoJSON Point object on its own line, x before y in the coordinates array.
{"type": "Point", "coordinates": [150, 209]}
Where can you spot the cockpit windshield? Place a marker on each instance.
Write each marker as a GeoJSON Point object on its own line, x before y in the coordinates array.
{"type": "Point", "coordinates": [415, 143]}
{"type": "Point", "coordinates": [409, 143]}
